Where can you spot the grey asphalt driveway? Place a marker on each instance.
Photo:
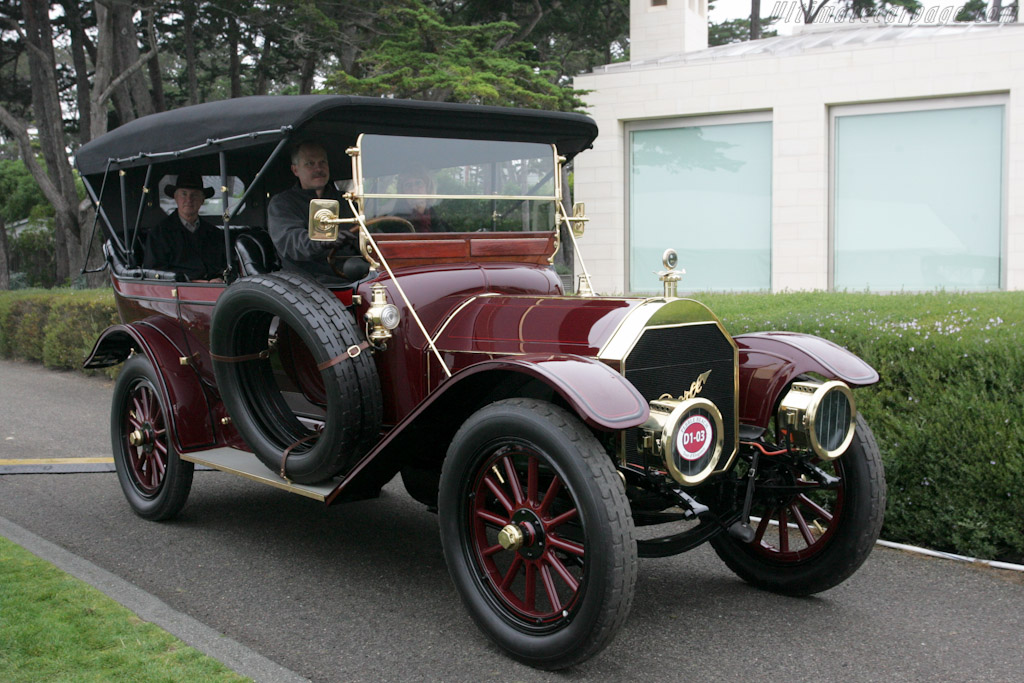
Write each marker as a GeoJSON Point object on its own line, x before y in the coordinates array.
{"type": "Point", "coordinates": [360, 591]}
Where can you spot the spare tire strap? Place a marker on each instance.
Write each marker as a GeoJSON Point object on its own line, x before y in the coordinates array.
{"type": "Point", "coordinates": [284, 456]}
{"type": "Point", "coordinates": [264, 354]}
{"type": "Point", "coordinates": [350, 352]}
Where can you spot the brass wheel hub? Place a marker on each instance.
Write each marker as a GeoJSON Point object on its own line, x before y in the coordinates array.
{"type": "Point", "coordinates": [524, 535]}
{"type": "Point", "coordinates": [511, 537]}
{"type": "Point", "coordinates": [141, 438]}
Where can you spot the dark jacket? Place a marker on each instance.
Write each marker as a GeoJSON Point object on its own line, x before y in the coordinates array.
{"type": "Point", "coordinates": [288, 225]}
{"type": "Point", "coordinates": [195, 255]}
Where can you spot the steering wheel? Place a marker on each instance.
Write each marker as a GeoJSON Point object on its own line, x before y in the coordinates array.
{"type": "Point", "coordinates": [398, 224]}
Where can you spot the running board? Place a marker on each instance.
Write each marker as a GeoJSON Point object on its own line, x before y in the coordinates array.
{"type": "Point", "coordinates": [247, 465]}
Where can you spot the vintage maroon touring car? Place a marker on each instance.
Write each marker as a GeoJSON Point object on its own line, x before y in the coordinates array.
{"type": "Point", "coordinates": [558, 435]}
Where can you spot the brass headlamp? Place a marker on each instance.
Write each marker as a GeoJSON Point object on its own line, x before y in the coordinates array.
{"type": "Point", "coordinates": [819, 418]}
{"type": "Point", "coordinates": [381, 317]}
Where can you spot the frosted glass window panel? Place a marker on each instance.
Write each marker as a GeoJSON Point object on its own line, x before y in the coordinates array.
{"type": "Point", "coordinates": [706, 192]}
{"type": "Point", "coordinates": [918, 199]}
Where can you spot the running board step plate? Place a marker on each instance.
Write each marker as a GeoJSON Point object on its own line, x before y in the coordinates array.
{"type": "Point", "coordinates": [247, 465]}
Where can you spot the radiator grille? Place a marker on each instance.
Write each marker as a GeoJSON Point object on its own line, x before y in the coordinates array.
{"type": "Point", "coordinates": [668, 360]}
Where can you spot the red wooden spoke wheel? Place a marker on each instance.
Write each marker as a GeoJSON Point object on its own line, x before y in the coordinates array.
{"type": "Point", "coordinates": [810, 537]}
{"type": "Point", "coordinates": [537, 532]}
{"type": "Point", "coordinates": [527, 535]}
{"type": "Point", "coordinates": [795, 527]}
{"type": "Point", "coordinates": [154, 479]}
{"type": "Point", "coordinates": [147, 438]}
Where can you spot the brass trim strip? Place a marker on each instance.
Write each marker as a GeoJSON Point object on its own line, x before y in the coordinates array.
{"type": "Point", "coordinates": [458, 310]}
{"type": "Point", "coordinates": [520, 197]}
{"type": "Point", "coordinates": [248, 466]}
{"type": "Point", "coordinates": [629, 330]}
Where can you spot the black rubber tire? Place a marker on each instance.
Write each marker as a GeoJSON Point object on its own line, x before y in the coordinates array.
{"type": "Point", "coordinates": [857, 529]}
{"type": "Point", "coordinates": [138, 404]}
{"type": "Point", "coordinates": [564, 447]}
{"type": "Point", "coordinates": [354, 407]}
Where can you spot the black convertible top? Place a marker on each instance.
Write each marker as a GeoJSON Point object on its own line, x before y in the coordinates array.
{"type": "Point", "coordinates": [208, 128]}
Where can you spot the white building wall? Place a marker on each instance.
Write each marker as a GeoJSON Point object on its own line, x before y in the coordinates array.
{"type": "Point", "coordinates": [798, 90]}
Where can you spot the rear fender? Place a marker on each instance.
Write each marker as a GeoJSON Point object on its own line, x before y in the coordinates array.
{"type": "Point", "coordinates": [599, 396]}
{"type": "Point", "coordinates": [193, 410]}
{"type": "Point", "coordinates": [770, 361]}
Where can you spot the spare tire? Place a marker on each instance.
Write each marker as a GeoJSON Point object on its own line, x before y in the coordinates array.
{"type": "Point", "coordinates": [243, 321]}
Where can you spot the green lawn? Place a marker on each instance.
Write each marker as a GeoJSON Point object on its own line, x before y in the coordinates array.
{"type": "Point", "coordinates": [54, 627]}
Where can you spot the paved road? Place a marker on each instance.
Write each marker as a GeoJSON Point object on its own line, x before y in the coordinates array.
{"type": "Point", "coordinates": [360, 591]}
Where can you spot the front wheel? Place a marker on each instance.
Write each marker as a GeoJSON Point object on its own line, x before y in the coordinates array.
{"type": "Point", "coordinates": [537, 532]}
{"type": "Point", "coordinates": [154, 479]}
{"type": "Point", "coordinates": [810, 537]}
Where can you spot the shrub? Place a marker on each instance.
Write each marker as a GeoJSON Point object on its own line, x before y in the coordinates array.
{"type": "Point", "coordinates": [77, 317]}
{"type": "Point", "coordinates": [19, 280]}
{"type": "Point", "coordinates": [22, 323]}
{"type": "Point", "coordinates": [32, 253]}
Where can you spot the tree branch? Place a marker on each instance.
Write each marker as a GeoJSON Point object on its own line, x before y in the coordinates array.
{"type": "Point", "coordinates": [136, 65]}
{"type": "Point", "coordinates": [19, 129]}
{"type": "Point", "coordinates": [40, 52]}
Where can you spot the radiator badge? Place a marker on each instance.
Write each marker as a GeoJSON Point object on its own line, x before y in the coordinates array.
{"type": "Point", "coordinates": [696, 387]}
{"type": "Point", "coordinates": [693, 391]}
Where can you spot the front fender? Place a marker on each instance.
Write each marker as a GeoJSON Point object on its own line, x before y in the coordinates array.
{"type": "Point", "coordinates": [598, 394]}
{"type": "Point", "coordinates": [770, 361]}
{"type": "Point", "coordinates": [601, 397]}
{"type": "Point", "coordinates": [192, 413]}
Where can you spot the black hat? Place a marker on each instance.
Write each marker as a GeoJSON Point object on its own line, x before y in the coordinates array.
{"type": "Point", "coordinates": [190, 180]}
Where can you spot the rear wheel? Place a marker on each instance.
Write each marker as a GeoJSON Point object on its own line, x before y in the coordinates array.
{"type": "Point", "coordinates": [537, 532]}
{"type": "Point", "coordinates": [154, 479]}
{"type": "Point", "coordinates": [810, 537]}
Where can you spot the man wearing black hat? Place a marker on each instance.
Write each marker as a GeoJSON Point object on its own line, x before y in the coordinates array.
{"type": "Point", "coordinates": [184, 242]}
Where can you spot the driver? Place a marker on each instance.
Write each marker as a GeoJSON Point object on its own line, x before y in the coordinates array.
{"type": "Point", "coordinates": [418, 210]}
{"type": "Point", "coordinates": [288, 216]}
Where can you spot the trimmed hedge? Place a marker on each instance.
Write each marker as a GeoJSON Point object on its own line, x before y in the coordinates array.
{"type": "Point", "coordinates": [55, 327]}
{"type": "Point", "coordinates": [947, 412]}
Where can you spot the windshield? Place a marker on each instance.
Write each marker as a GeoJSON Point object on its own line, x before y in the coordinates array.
{"type": "Point", "coordinates": [445, 185]}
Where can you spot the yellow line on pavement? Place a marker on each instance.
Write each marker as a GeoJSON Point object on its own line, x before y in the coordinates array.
{"type": "Point", "coordinates": [58, 461]}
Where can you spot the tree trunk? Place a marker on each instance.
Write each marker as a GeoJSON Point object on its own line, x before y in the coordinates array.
{"type": "Point", "coordinates": [104, 70]}
{"type": "Point", "coordinates": [755, 19]}
{"type": "Point", "coordinates": [234, 63]}
{"type": "Point", "coordinates": [126, 52]}
{"type": "Point", "coordinates": [306, 75]}
{"type": "Point", "coordinates": [78, 48]}
{"type": "Point", "coordinates": [261, 68]}
{"type": "Point", "coordinates": [56, 181]}
{"type": "Point", "coordinates": [157, 79]}
{"type": "Point", "coordinates": [5, 259]}
{"type": "Point", "coordinates": [105, 82]}
{"type": "Point", "coordinates": [190, 51]}
{"type": "Point", "coordinates": [349, 52]}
